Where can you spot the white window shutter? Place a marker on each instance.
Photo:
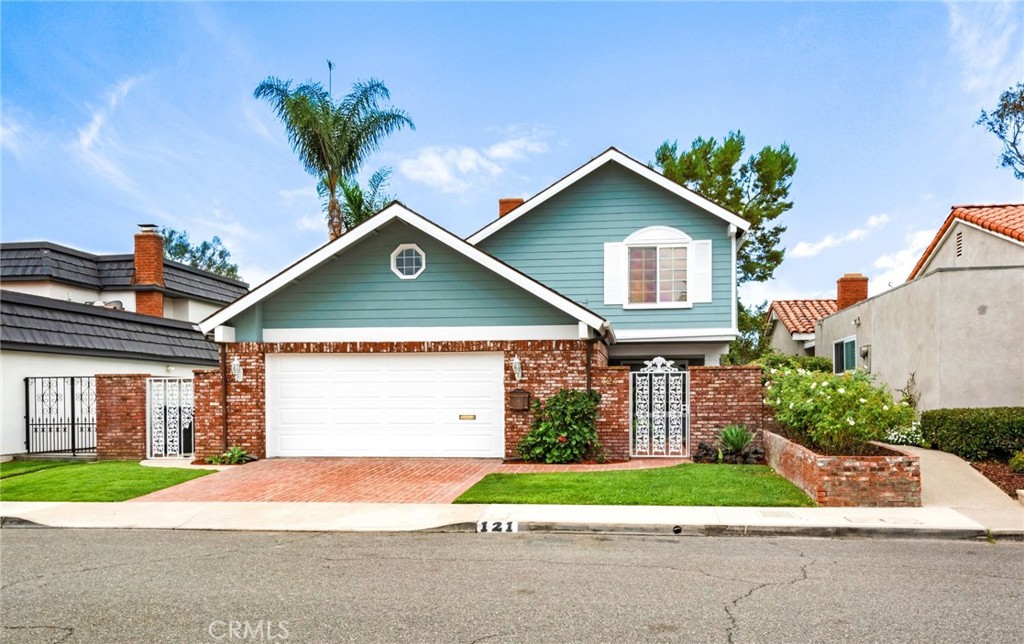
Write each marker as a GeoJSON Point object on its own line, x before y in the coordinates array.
{"type": "Point", "coordinates": [700, 272]}
{"type": "Point", "coordinates": [615, 273]}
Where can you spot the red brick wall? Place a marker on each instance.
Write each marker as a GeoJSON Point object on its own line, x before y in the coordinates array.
{"type": "Point", "coordinates": [850, 289]}
{"type": "Point", "coordinates": [209, 435]}
{"type": "Point", "coordinates": [149, 303]}
{"type": "Point", "coordinates": [548, 366]}
{"type": "Point", "coordinates": [721, 396]}
{"type": "Point", "coordinates": [847, 481]}
{"type": "Point", "coordinates": [121, 416]}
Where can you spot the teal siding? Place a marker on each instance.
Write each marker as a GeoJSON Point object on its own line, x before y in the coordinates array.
{"type": "Point", "coordinates": [561, 244]}
{"type": "Point", "coordinates": [358, 289]}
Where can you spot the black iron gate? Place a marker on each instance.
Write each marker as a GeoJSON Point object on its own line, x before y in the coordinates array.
{"type": "Point", "coordinates": [60, 415]}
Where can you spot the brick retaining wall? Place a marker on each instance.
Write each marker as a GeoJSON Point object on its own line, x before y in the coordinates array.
{"type": "Point", "coordinates": [847, 481]}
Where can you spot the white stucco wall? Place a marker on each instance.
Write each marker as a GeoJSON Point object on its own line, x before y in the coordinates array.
{"type": "Point", "coordinates": [68, 293]}
{"type": "Point", "coordinates": [15, 366]}
{"type": "Point", "coordinates": [960, 331]}
{"type": "Point", "coordinates": [782, 341]}
{"type": "Point", "coordinates": [978, 248]}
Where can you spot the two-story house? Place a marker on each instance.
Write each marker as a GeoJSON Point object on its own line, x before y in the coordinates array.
{"type": "Point", "coordinates": [401, 339]}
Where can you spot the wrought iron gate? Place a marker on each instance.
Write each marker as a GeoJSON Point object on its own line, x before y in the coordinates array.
{"type": "Point", "coordinates": [170, 417]}
{"type": "Point", "coordinates": [660, 396]}
{"type": "Point", "coordinates": [60, 415]}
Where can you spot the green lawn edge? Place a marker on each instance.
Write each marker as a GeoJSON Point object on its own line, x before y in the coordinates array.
{"type": "Point", "coordinates": [104, 481]}
{"type": "Point", "coordinates": [688, 484]}
{"type": "Point", "coordinates": [17, 468]}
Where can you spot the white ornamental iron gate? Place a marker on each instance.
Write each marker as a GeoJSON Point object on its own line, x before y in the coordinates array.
{"type": "Point", "coordinates": [170, 417]}
{"type": "Point", "coordinates": [660, 397]}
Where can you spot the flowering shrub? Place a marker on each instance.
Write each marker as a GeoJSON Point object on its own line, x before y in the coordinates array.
{"type": "Point", "coordinates": [909, 435]}
{"type": "Point", "coordinates": [838, 414]}
{"type": "Point", "coordinates": [564, 428]}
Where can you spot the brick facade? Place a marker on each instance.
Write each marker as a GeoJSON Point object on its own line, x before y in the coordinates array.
{"type": "Point", "coordinates": [121, 416]}
{"type": "Point", "coordinates": [548, 366]}
{"type": "Point", "coordinates": [149, 271]}
{"type": "Point", "coordinates": [721, 396]}
{"type": "Point", "coordinates": [892, 481]}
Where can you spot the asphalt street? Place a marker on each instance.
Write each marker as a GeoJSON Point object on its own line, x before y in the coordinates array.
{"type": "Point", "coordinates": [194, 586]}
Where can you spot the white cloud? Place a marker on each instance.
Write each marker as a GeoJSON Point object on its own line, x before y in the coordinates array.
{"type": "Point", "coordinates": [10, 134]}
{"type": "Point", "coordinates": [897, 266]}
{"type": "Point", "coordinates": [457, 169]}
{"type": "Point", "coordinates": [811, 249]}
{"type": "Point", "coordinates": [315, 223]}
{"type": "Point", "coordinates": [754, 293]}
{"type": "Point", "coordinates": [298, 194]}
{"type": "Point", "coordinates": [983, 36]}
{"type": "Point", "coordinates": [94, 147]}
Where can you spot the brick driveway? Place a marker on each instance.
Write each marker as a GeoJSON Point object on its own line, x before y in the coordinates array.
{"type": "Point", "coordinates": [344, 480]}
{"type": "Point", "coordinates": [363, 480]}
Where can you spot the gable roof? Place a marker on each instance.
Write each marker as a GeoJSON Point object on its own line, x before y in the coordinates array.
{"type": "Point", "coordinates": [393, 211]}
{"type": "Point", "coordinates": [800, 316]}
{"type": "Point", "coordinates": [611, 155]}
{"type": "Point", "coordinates": [34, 323]}
{"type": "Point", "coordinates": [33, 261]}
{"type": "Point", "coordinates": [1006, 220]}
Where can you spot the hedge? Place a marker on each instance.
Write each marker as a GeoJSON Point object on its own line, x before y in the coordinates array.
{"type": "Point", "coordinates": [782, 361]}
{"type": "Point", "coordinates": [975, 434]}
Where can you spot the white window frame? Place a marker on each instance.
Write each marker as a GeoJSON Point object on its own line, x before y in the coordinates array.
{"type": "Point", "coordinates": [394, 261]}
{"type": "Point", "coordinates": [659, 237]}
{"type": "Point", "coordinates": [846, 367]}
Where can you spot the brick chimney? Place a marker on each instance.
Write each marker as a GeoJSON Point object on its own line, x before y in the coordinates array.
{"type": "Point", "coordinates": [506, 206]}
{"type": "Point", "coordinates": [850, 289]}
{"type": "Point", "coordinates": [149, 270]}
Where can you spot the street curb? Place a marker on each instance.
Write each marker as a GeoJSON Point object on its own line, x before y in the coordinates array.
{"type": "Point", "coordinates": [18, 522]}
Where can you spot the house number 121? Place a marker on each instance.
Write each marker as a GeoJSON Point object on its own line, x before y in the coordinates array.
{"type": "Point", "coordinates": [497, 526]}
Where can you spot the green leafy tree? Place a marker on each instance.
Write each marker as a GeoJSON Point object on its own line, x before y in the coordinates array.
{"type": "Point", "coordinates": [1007, 123]}
{"type": "Point", "coordinates": [359, 204]}
{"type": "Point", "coordinates": [756, 189]}
{"type": "Point", "coordinates": [333, 138]}
{"type": "Point", "coordinates": [208, 255]}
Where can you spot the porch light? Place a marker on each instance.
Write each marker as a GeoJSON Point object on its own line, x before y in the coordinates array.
{"type": "Point", "coordinates": [517, 368]}
{"type": "Point", "coordinates": [236, 369]}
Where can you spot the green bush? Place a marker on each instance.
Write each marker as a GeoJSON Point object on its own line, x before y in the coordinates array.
{"type": "Point", "coordinates": [733, 439]}
{"type": "Point", "coordinates": [908, 435]}
{"type": "Point", "coordinates": [975, 434]}
{"type": "Point", "coordinates": [781, 362]}
{"type": "Point", "coordinates": [1017, 462]}
{"type": "Point", "coordinates": [837, 414]}
{"type": "Point", "coordinates": [564, 428]}
{"type": "Point", "coordinates": [233, 456]}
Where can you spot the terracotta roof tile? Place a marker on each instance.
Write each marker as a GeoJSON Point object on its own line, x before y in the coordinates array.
{"type": "Point", "coordinates": [799, 316]}
{"type": "Point", "coordinates": [1003, 219]}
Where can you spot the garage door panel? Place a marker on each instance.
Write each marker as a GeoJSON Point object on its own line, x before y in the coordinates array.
{"type": "Point", "coordinates": [385, 404]}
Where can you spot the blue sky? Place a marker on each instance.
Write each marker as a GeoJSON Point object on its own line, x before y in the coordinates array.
{"type": "Point", "coordinates": [126, 113]}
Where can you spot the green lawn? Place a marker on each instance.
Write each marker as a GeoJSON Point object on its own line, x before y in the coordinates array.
{"type": "Point", "coordinates": [687, 484]}
{"type": "Point", "coordinates": [14, 468]}
{"type": "Point", "coordinates": [103, 481]}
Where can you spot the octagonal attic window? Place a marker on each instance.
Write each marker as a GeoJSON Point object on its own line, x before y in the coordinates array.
{"type": "Point", "coordinates": [408, 261]}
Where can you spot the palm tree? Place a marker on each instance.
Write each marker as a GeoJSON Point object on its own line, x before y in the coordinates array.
{"type": "Point", "coordinates": [359, 204]}
{"type": "Point", "coordinates": [333, 139]}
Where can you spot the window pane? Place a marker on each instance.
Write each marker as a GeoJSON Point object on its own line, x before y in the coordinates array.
{"type": "Point", "coordinates": [672, 274]}
{"type": "Point", "coordinates": [643, 275]}
{"type": "Point", "coordinates": [850, 359]}
{"type": "Point", "coordinates": [837, 357]}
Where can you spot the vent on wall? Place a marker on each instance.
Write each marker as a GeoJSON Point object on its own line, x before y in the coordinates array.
{"type": "Point", "coordinates": [959, 243]}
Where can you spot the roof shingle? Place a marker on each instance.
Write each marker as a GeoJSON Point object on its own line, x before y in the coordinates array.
{"type": "Point", "coordinates": [800, 316]}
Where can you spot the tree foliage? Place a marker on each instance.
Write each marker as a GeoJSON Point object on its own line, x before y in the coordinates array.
{"type": "Point", "coordinates": [1007, 123]}
{"type": "Point", "coordinates": [756, 189]}
{"type": "Point", "coordinates": [357, 203]}
{"type": "Point", "coordinates": [333, 138]}
{"type": "Point", "coordinates": [753, 341]}
{"type": "Point", "coordinates": [208, 255]}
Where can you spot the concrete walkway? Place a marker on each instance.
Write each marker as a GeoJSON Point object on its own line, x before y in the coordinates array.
{"type": "Point", "coordinates": [948, 481]}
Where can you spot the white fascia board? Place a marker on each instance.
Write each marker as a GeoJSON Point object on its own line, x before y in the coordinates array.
{"type": "Point", "coordinates": [809, 344]}
{"type": "Point", "coordinates": [625, 161]}
{"type": "Point", "coordinates": [398, 211]}
{"type": "Point", "coordinates": [424, 333]}
{"type": "Point", "coordinates": [677, 335]}
{"type": "Point", "coordinates": [802, 337]}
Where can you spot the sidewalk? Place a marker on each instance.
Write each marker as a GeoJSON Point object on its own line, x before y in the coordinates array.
{"type": "Point", "coordinates": [925, 522]}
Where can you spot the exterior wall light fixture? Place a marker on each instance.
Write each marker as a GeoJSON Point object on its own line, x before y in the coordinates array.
{"type": "Point", "coordinates": [236, 369]}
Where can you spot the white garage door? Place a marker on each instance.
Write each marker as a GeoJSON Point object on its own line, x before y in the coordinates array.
{"type": "Point", "coordinates": [397, 404]}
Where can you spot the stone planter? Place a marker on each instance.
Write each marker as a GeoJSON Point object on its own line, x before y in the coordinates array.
{"type": "Point", "coordinates": [892, 481]}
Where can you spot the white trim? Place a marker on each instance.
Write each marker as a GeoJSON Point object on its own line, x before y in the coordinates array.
{"type": "Point", "coordinates": [394, 265]}
{"type": "Point", "coordinates": [658, 236]}
{"type": "Point", "coordinates": [224, 334]}
{"type": "Point", "coordinates": [799, 337]}
{"type": "Point", "coordinates": [610, 155]}
{"type": "Point", "coordinates": [732, 255]}
{"type": "Point", "coordinates": [809, 344]}
{"type": "Point", "coordinates": [846, 367]}
{"type": "Point", "coordinates": [945, 236]}
{"type": "Point", "coordinates": [392, 212]}
{"type": "Point", "coordinates": [674, 335]}
{"type": "Point", "coordinates": [426, 333]}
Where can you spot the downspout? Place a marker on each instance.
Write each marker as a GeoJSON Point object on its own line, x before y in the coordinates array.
{"type": "Point", "coordinates": [224, 393]}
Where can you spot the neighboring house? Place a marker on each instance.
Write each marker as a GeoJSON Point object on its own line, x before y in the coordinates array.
{"type": "Point", "coordinates": [66, 313]}
{"type": "Point", "coordinates": [956, 327]}
{"type": "Point", "coordinates": [791, 322]}
{"type": "Point", "coordinates": [401, 339]}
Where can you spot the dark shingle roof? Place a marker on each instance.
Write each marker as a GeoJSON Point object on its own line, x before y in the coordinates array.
{"type": "Point", "coordinates": [45, 260]}
{"type": "Point", "coordinates": [33, 323]}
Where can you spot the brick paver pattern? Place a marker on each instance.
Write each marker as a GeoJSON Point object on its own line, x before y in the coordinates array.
{"type": "Point", "coordinates": [361, 480]}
